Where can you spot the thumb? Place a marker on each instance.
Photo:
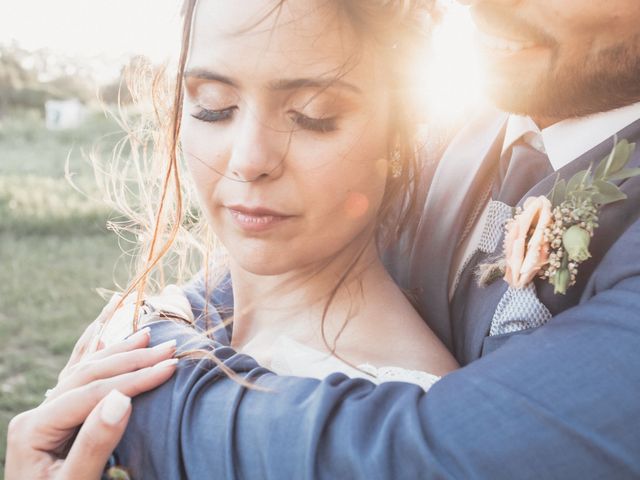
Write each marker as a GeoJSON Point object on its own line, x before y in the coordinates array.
{"type": "Point", "coordinates": [97, 438]}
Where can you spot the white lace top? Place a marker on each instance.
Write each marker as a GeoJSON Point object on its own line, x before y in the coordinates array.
{"type": "Point", "coordinates": [294, 358]}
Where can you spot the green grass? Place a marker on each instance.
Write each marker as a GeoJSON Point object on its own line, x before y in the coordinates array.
{"type": "Point", "coordinates": [54, 253]}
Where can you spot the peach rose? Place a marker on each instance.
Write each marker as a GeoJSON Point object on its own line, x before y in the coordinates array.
{"type": "Point", "coordinates": [525, 248]}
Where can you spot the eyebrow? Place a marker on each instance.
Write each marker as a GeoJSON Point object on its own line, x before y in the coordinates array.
{"type": "Point", "coordinates": [281, 84]}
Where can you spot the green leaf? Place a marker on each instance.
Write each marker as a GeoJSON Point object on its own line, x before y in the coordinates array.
{"type": "Point", "coordinates": [601, 170]}
{"type": "Point", "coordinates": [557, 194]}
{"type": "Point", "coordinates": [607, 193]}
{"type": "Point", "coordinates": [577, 181]}
{"type": "Point", "coordinates": [605, 165]}
{"type": "Point", "coordinates": [615, 161]}
{"type": "Point", "coordinates": [624, 174]}
{"type": "Point", "coordinates": [620, 156]}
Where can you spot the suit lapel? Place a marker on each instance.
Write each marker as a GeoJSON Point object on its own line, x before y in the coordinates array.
{"type": "Point", "coordinates": [615, 218]}
{"type": "Point", "coordinates": [460, 179]}
{"type": "Point", "coordinates": [593, 156]}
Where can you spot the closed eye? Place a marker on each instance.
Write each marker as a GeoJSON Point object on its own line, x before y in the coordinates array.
{"type": "Point", "coordinates": [213, 116]}
{"type": "Point", "coordinates": [322, 125]}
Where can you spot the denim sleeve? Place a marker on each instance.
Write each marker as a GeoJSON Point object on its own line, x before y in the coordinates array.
{"type": "Point", "coordinates": [561, 402]}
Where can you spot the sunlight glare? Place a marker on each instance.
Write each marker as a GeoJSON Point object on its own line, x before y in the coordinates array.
{"type": "Point", "coordinates": [452, 77]}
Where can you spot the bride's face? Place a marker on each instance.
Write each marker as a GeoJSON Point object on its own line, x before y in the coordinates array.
{"type": "Point", "coordinates": [285, 132]}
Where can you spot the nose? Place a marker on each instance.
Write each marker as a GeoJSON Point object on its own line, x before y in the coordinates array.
{"type": "Point", "coordinates": [258, 150]}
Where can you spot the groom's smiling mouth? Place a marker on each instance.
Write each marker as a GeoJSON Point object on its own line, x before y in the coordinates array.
{"type": "Point", "coordinates": [502, 35]}
{"type": "Point", "coordinates": [493, 42]}
{"type": "Point", "coordinates": [512, 52]}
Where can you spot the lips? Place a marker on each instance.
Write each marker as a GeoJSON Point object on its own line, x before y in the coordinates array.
{"type": "Point", "coordinates": [256, 219]}
{"type": "Point", "coordinates": [503, 44]}
{"type": "Point", "coordinates": [506, 30]}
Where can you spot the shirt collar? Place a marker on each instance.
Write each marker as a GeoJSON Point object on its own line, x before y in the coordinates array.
{"type": "Point", "coordinates": [567, 140]}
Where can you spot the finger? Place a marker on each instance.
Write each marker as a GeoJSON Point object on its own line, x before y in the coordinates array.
{"type": "Point", "coordinates": [70, 409]}
{"type": "Point", "coordinates": [97, 438]}
{"type": "Point", "coordinates": [90, 332]}
{"type": "Point", "coordinates": [105, 316]}
{"type": "Point", "coordinates": [116, 364]}
{"type": "Point", "coordinates": [81, 345]}
{"type": "Point", "coordinates": [139, 339]}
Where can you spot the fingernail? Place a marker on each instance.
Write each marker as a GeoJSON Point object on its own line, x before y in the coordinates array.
{"type": "Point", "coordinates": [114, 408]}
{"type": "Point", "coordinates": [169, 362]}
{"type": "Point", "coordinates": [139, 334]}
{"type": "Point", "coordinates": [168, 345]}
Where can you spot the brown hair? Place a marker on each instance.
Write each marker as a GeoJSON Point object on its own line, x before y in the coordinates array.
{"type": "Point", "coordinates": [396, 28]}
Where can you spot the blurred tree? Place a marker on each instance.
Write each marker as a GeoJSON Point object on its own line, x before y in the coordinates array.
{"type": "Point", "coordinates": [14, 79]}
{"type": "Point", "coordinates": [29, 78]}
{"type": "Point", "coordinates": [119, 91]}
{"type": "Point", "coordinates": [116, 92]}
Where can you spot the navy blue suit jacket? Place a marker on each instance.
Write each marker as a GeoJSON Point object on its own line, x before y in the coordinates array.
{"type": "Point", "coordinates": [562, 401]}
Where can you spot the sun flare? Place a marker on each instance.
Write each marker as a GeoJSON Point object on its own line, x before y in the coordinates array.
{"type": "Point", "coordinates": [452, 77]}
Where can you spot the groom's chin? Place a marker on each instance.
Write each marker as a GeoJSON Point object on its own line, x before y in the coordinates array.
{"type": "Point", "coordinates": [550, 97]}
{"type": "Point", "coordinates": [515, 97]}
{"type": "Point", "coordinates": [565, 89]}
{"type": "Point", "coordinates": [554, 100]}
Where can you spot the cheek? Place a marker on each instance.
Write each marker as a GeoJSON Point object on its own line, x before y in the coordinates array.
{"type": "Point", "coordinates": [350, 187]}
{"type": "Point", "coordinates": [203, 157]}
{"type": "Point", "coordinates": [357, 174]}
{"type": "Point", "coordinates": [202, 143]}
{"type": "Point", "coordinates": [365, 192]}
{"type": "Point", "coordinates": [575, 14]}
{"type": "Point", "coordinates": [579, 25]}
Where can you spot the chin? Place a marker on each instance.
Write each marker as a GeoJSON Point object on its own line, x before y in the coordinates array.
{"type": "Point", "coordinates": [572, 91]}
{"type": "Point", "coordinates": [513, 96]}
{"type": "Point", "coordinates": [266, 265]}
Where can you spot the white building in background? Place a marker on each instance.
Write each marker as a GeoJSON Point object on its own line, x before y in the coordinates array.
{"type": "Point", "coordinates": [64, 114]}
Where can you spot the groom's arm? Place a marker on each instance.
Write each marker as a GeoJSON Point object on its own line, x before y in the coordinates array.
{"type": "Point", "coordinates": [562, 402]}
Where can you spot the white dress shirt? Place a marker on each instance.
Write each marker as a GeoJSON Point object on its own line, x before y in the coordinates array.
{"type": "Point", "coordinates": [563, 142]}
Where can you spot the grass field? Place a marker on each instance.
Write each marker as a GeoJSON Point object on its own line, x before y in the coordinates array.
{"type": "Point", "coordinates": [54, 252]}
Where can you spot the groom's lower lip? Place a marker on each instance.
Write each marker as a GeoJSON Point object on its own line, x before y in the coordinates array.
{"type": "Point", "coordinates": [500, 59]}
{"type": "Point", "coordinates": [502, 43]}
{"type": "Point", "coordinates": [500, 49]}
{"type": "Point", "coordinates": [526, 53]}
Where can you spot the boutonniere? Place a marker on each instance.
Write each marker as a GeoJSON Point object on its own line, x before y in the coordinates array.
{"type": "Point", "coordinates": [549, 235]}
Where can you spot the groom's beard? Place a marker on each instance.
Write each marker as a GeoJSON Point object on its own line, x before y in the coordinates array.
{"type": "Point", "coordinates": [572, 84]}
{"type": "Point", "coordinates": [611, 79]}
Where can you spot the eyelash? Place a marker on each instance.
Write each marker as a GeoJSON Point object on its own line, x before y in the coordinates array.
{"type": "Point", "coordinates": [212, 116]}
{"type": "Point", "coordinates": [321, 125]}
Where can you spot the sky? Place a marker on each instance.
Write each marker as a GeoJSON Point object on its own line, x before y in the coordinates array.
{"type": "Point", "coordinates": [86, 28]}
{"type": "Point", "coordinates": [113, 30]}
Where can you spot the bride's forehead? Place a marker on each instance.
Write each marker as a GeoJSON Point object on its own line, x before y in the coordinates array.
{"type": "Point", "coordinates": [270, 25]}
{"type": "Point", "coordinates": [295, 38]}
